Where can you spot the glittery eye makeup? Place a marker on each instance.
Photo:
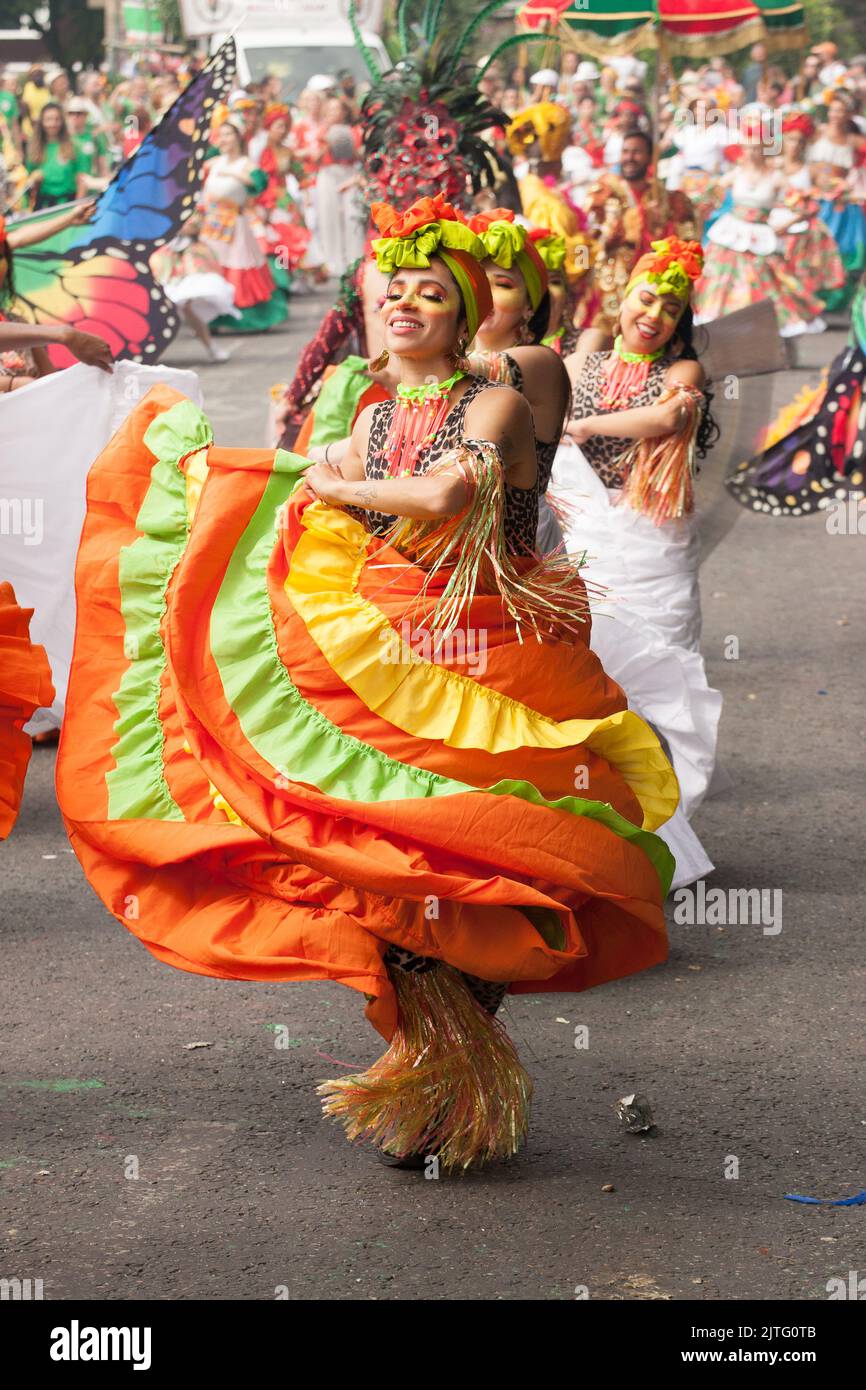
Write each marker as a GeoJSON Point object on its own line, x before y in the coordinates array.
{"type": "Point", "coordinates": [431, 291]}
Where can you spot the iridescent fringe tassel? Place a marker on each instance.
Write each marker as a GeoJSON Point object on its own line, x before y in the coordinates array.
{"type": "Point", "coordinates": [547, 596]}
{"type": "Point", "coordinates": [658, 474]}
{"type": "Point", "coordinates": [450, 1083]}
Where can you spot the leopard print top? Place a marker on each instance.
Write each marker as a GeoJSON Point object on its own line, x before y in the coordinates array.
{"type": "Point", "coordinates": [604, 452]}
{"type": "Point", "coordinates": [521, 504]}
{"type": "Point", "coordinates": [545, 453]}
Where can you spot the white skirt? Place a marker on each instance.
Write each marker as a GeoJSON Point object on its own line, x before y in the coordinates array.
{"type": "Point", "coordinates": [209, 295]}
{"type": "Point", "coordinates": [646, 631]}
{"type": "Point", "coordinates": [738, 234]}
{"type": "Point", "coordinates": [50, 434]}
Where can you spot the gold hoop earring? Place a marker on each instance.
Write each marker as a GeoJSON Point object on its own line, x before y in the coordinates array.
{"type": "Point", "coordinates": [379, 363]}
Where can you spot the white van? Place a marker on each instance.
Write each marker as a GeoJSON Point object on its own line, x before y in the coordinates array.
{"type": "Point", "coordinates": [293, 39]}
{"type": "Point", "coordinates": [295, 59]}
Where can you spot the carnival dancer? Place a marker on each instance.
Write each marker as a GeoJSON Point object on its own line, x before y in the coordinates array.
{"type": "Point", "coordinates": [508, 345]}
{"type": "Point", "coordinates": [562, 331]}
{"type": "Point", "coordinates": [341, 218]}
{"type": "Point", "coordinates": [413, 146]}
{"type": "Point", "coordinates": [285, 237]}
{"type": "Point", "coordinates": [833, 161]}
{"type": "Point", "coordinates": [699, 138]}
{"type": "Point", "coordinates": [807, 245]}
{"type": "Point", "coordinates": [313, 777]}
{"type": "Point", "coordinates": [743, 262]}
{"type": "Point", "coordinates": [627, 212]}
{"type": "Point", "coordinates": [232, 180]}
{"type": "Point", "coordinates": [190, 274]}
{"type": "Point", "coordinates": [639, 418]}
{"type": "Point", "coordinates": [813, 455]}
{"type": "Point", "coordinates": [537, 139]}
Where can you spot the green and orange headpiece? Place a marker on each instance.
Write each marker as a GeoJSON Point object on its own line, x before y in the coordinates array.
{"type": "Point", "coordinates": [507, 243]}
{"type": "Point", "coordinates": [550, 246]}
{"type": "Point", "coordinates": [671, 267]}
{"type": "Point", "coordinates": [432, 227]}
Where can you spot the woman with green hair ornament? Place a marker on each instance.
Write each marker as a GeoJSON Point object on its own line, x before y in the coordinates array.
{"type": "Point", "coordinates": [509, 345]}
{"type": "Point", "coordinates": [639, 423]}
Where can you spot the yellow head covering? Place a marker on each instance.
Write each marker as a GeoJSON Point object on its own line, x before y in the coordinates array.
{"type": "Point", "coordinates": [547, 122]}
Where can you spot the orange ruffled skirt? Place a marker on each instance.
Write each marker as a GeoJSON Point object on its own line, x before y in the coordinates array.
{"type": "Point", "coordinates": [268, 774]}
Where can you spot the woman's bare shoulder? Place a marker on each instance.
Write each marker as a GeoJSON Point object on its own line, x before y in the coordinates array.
{"type": "Point", "coordinates": [687, 372]}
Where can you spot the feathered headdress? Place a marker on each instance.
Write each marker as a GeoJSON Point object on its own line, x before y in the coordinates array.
{"type": "Point", "coordinates": [424, 120]}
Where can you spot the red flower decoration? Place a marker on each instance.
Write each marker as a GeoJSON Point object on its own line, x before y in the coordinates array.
{"type": "Point", "coordinates": [482, 220]}
{"type": "Point", "coordinates": [688, 254]}
{"type": "Point", "coordinates": [391, 223]}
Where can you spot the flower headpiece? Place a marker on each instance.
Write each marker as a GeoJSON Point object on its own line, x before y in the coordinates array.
{"type": "Point", "coordinates": [547, 122]}
{"type": "Point", "coordinates": [507, 243]}
{"type": "Point", "coordinates": [550, 246]}
{"type": "Point", "coordinates": [277, 112]}
{"type": "Point", "coordinates": [672, 267]}
{"type": "Point", "coordinates": [432, 227]}
{"type": "Point", "coordinates": [799, 121]}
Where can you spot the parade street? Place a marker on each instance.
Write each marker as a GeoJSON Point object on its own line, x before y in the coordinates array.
{"type": "Point", "coordinates": [160, 1133]}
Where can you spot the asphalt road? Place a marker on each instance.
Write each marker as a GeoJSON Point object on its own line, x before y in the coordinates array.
{"type": "Point", "coordinates": [749, 1044]}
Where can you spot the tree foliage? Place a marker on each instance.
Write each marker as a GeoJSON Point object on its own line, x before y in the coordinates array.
{"type": "Point", "coordinates": [72, 32]}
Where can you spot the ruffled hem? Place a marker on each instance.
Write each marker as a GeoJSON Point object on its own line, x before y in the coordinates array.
{"type": "Point", "coordinates": [252, 286]}
{"type": "Point", "coordinates": [256, 319]}
{"type": "Point", "coordinates": [320, 848]}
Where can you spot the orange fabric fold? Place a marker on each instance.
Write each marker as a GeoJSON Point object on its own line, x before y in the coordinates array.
{"type": "Point", "coordinates": [25, 686]}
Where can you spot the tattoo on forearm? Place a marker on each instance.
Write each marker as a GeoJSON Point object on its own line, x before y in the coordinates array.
{"type": "Point", "coordinates": [366, 494]}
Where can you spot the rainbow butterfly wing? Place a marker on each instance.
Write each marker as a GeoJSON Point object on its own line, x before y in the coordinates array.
{"type": "Point", "coordinates": [109, 291]}
{"type": "Point", "coordinates": [97, 276]}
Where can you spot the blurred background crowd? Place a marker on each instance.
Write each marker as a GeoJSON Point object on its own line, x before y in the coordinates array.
{"type": "Point", "coordinates": [751, 156]}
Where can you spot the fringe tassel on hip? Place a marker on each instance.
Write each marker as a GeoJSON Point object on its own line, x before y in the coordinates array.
{"type": "Point", "coordinates": [546, 596]}
{"type": "Point", "coordinates": [659, 474]}
{"type": "Point", "coordinates": [449, 1084]}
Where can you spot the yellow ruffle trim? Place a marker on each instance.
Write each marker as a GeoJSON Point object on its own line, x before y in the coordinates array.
{"type": "Point", "coordinates": [433, 702]}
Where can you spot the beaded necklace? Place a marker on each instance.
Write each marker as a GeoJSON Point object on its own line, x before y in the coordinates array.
{"type": "Point", "coordinates": [418, 416]}
{"type": "Point", "coordinates": [626, 374]}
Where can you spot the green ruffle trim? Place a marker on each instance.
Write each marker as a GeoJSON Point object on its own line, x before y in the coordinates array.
{"type": "Point", "coordinates": [137, 789]}
{"type": "Point", "coordinates": [294, 737]}
{"type": "Point", "coordinates": [257, 318]}
{"type": "Point", "coordinates": [298, 740]}
{"type": "Point", "coordinates": [337, 401]}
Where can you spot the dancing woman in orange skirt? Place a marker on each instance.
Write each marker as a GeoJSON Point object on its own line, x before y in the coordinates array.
{"type": "Point", "coordinates": [337, 724]}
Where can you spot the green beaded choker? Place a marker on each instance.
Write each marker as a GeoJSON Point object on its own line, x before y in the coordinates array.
{"type": "Point", "coordinates": [419, 414]}
{"type": "Point", "coordinates": [430, 391]}
{"type": "Point", "coordinates": [635, 356]}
